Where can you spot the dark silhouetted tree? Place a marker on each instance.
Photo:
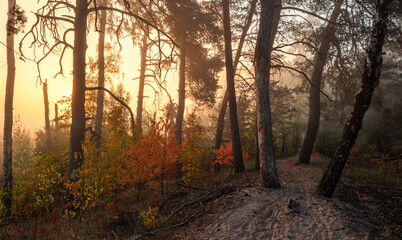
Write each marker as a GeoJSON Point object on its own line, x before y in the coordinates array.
{"type": "Point", "coordinates": [369, 81]}
{"type": "Point", "coordinates": [269, 20]}
{"type": "Point", "coordinates": [314, 95]}
{"type": "Point", "coordinates": [15, 22]}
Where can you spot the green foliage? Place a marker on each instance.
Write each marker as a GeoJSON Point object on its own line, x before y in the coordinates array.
{"type": "Point", "coordinates": [22, 147]}
{"type": "Point", "coordinates": [195, 25]}
{"type": "Point", "coordinates": [37, 189]}
{"type": "Point", "coordinates": [101, 176]}
{"type": "Point", "coordinates": [192, 154]}
{"type": "Point", "coordinates": [149, 217]}
{"type": "Point", "coordinates": [17, 21]}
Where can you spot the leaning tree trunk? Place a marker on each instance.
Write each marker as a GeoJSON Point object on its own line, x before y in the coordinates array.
{"type": "Point", "coordinates": [101, 78]}
{"type": "Point", "coordinates": [314, 95]}
{"type": "Point", "coordinates": [47, 120]}
{"type": "Point", "coordinates": [77, 134]}
{"type": "Point", "coordinates": [182, 90]}
{"type": "Point", "coordinates": [370, 79]}
{"type": "Point", "coordinates": [268, 24]}
{"type": "Point", "coordinates": [143, 49]}
{"type": "Point", "coordinates": [222, 112]}
{"type": "Point", "coordinates": [8, 123]}
{"type": "Point", "coordinates": [234, 122]}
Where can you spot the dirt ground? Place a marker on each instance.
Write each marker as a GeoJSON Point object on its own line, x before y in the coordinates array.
{"type": "Point", "coordinates": [294, 212]}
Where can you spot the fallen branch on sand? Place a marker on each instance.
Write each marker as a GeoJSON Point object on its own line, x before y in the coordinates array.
{"type": "Point", "coordinates": [189, 186]}
{"type": "Point", "coordinates": [143, 234]}
{"type": "Point", "coordinates": [209, 196]}
{"type": "Point", "coordinates": [170, 197]}
{"type": "Point", "coordinates": [213, 194]}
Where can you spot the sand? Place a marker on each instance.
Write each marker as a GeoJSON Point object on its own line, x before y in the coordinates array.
{"type": "Point", "coordinates": [252, 212]}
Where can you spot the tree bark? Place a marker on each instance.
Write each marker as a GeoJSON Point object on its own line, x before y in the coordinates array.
{"type": "Point", "coordinates": [8, 123]}
{"type": "Point", "coordinates": [56, 116]}
{"type": "Point", "coordinates": [283, 142]}
{"type": "Point", "coordinates": [77, 134]}
{"type": "Point", "coordinates": [257, 149]}
{"type": "Point", "coordinates": [234, 122]}
{"type": "Point", "coordinates": [222, 112]}
{"type": "Point", "coordinates": [269, 20]}
{"type": "Point", "coordinates": [143, 49]}
{"type": "Point", "coordinates": [47, 119]}
{"type": "Point", "coordinates": [182, 90]}
{"type": "Point", "coordinates": [101, 78]}
{"type": "Point", "coordinates": [370, 79]}
{"type": "Point", "coordinates": [314, 95]}
{"type": "Point", "coordinates": [219, 128]}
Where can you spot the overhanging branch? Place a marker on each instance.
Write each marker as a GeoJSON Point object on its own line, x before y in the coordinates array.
{"type": "Point", "coordinates": [310, 13]}
{"type": "Point", "coordinates": [117, 99]}
{"type": "Point", "coordinates": [307, 78]}
{"type": "Point", "coordinates": [136, 17]}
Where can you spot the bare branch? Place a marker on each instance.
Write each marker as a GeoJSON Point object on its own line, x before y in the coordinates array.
{"type": "Point", "coordinates": [69, 5]}
{"type": "Point", "coordinates": [143, 234]}
{"type": "Point", "coordinates": [310, 13]}
{"type": "Point", "coordinates": [307, 78]}
{"type": "Point", "coordinates": [248, 70]}
{"type": "Point", "coordinates": [295, 54]}
{"type": "Point", "coordinates": [117, 99]}
{"type": "Point", "coordinates": [55, 18]}
{"type": "Point", "coordinates": [245, 80]}
{"type": "Point", "coordinates": [60, 62]}
{"type": "Point", "coordinates": [365, 8]}
{"type": "Point", "coordinates": [294, 43]}
{"type": "Point", "coordinates": [129, 13]}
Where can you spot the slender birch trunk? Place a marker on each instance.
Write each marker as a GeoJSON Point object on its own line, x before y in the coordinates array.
{"type": "Point", "coordinates": [101, 78]}
{"type": "Point", "coordinates": [47, 119]}
{"type": "Point", "coordinates": [8, 123]}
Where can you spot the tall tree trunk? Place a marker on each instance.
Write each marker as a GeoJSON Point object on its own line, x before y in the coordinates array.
{"type": "Point", "coordinates": [56, 116]}
{"type": "Point", "coordinates": [283, 143]}
{"type": "Point", "coordinates": [222, 112]}
{"type": "Point", "coordinates": [8, 122]}
{"type": "Point", "coordinates": [101, 78]}
{"type": "Point", "coordinates": [314, 95]}
{"type": "Point", "coordinates": [182, 90]}
{"type": "Point", "coordinates": [257, 149]}
{"type": "Point", "coordinates": [234, 122]}
{"type": "Point", "coordinates": [47, 120]}
{"type": "Point", "coordinates": [269, 20]}
{"type": "Point", "coordinates": [370, 79]}
{"type": "Point", "coordinates": [77, 134]}
{"type": "Point", "coordinates": [144, 49]}
{"type": "Point", "coordinates": [219, 128]}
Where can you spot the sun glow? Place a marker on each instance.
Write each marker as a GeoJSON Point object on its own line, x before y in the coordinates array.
{"type": "Point", "coordinates": [68, 93]}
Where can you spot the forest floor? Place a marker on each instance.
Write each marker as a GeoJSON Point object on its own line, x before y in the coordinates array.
{"type": "Point", "coordinates": [358, 210]}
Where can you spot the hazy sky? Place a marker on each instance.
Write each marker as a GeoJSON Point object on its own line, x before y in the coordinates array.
{"type": "Point", "coordinates": [28, 98]}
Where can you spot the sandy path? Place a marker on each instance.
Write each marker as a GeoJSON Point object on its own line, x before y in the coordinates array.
{"type": "Point", "coordinates": [252, 212]}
